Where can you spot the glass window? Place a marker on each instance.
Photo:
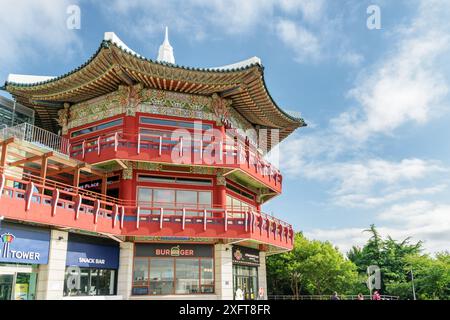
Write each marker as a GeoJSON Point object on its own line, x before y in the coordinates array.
{"type": "Point", "coordinates": [97, 128]}
{"type": "Point", "coordinates": [186, 198]}
{"type": "Point", "coordinates": [140, 273]}
{"type": "Point", "coordinates": [207, 275]}
{"type": "Point", "coordinates": [161, 276]}
{"type": "Point", "coordinates": [204, 198]}
{"type": "Point", "coordinates": [89, 282]}
{"type": "Point", "coordinates": [175, 123]}
{"type": "Point", "coordinates": [187, 276]}
{"type": "Point", "coordinates": [164, 196]}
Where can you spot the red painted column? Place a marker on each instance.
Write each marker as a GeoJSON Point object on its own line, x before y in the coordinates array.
{"type": "Point", "coordinates": [127, 193]}
{"type": "Point", "coordinates": [130, 127]}
{"type": "Point", "coordinates": [220, 193]}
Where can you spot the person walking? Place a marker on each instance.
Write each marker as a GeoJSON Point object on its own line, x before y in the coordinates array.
{"type": "Point", "coordinates": [335, 296]}
{"type": "Point", "coordinates": [376, 295]}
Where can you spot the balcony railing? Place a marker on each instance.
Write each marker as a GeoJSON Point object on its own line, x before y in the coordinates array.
{"type": "Point", "coordinates": [199, 151]}
{"type": "Point", "coordinates": [69, 206]}
{"type": "Point", "coordinates": [37, 136]}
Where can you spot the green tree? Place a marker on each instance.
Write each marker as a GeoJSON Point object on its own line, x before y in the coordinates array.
{"type": "Point", "coordinates": [396, 259]}
{"type": "Point", "coordinates": [312, 267]}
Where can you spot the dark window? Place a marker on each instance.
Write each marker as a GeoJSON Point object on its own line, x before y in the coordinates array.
{"type": "Point", "coordinates": [239, 191]}
{"type": "Point", "coordinates": [97, 128]}
{"type": "Point", "coordinates": [163, 179]}
{"type": "Point", "coordinates": [176, 123]}
{"type": "Point", "coordinates": [89, 282]}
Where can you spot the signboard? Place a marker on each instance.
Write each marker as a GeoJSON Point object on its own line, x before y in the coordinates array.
{"type": "Point", "coordinates": [245, 256]}
{"type": "Point", "coordinates": [173, 250]}
{"type": "Point", "coordinates": [92, 255]}
{"type": "Point", "coordinates": [24, 244]}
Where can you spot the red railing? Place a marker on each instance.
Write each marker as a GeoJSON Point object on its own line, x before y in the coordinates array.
{"type": "Point", "coordinates": [50, 202]}
{"type": "Point", "coordinates": [226, 153]}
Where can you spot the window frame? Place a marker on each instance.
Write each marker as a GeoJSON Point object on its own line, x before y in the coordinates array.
{"type": "Point", "coordinates": [175, 275]}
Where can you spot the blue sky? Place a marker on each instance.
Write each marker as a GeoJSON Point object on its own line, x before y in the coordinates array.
{"type": "Point", "coordinates": [377, 101]}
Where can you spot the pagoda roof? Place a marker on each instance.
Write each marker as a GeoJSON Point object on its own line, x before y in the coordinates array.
{"type": "Point", "coordinates": [114, 64]}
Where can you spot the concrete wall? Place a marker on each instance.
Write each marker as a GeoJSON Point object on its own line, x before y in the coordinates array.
{"type": "Point", "coordinates": [125, 273]}
{"type": "Point", "coordinates": [223, 271]}
{"type": "Point", "coordinates": [50, 282]}
{"type": "Point", "coordinates": [262, 275]}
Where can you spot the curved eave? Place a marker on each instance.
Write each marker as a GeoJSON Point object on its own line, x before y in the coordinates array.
{"type": "Point", "coordinates": [111, 66]}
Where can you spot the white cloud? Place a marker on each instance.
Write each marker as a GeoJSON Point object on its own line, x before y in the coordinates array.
{"type": "Point", "coordinates": [367, 200]}
{"type": "Point", "coordinates": [304, 26]}
{"type": "Point", "coordinates": [28, 27]}
{"type": "Point", "coordinates": [304, 43]}
{"type": "Point", "coordinates": [407, 85]}
{"type": "Point", "coordinates": [420, 220]}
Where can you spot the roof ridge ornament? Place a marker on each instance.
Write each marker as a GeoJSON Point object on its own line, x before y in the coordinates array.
{"type": "Point", "coordinates": [165, 53]}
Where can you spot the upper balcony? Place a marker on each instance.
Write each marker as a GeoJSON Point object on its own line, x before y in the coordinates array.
{"type": "Point", "coordinates": [226, 152]}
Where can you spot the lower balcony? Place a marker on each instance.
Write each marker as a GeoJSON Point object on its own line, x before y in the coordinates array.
{"type": "Point", "coordinates": [28, 198]}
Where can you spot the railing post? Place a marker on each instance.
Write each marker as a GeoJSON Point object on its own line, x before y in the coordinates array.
{"type": "Point", "coordinates": [161, 218]}
{"type": "Point", "coordinates": [116, 141]}
{"type": "Point", "coordinates": [2, 183]}
{"type": "Point", "coordinates": [116, 213]}
{"type": "Point", "coordinates": [77, 206]}
{"type": "Point", "coordinates": [122, 216]}
{"type": "Point", "coordinates": [160, 146]}
{"type": "Point", "coordinates": [226, 220]}
{"type": "Point", "coordinates": [138, 217]}
{"type": "Point", "coordinates": [55, 201]}
{"type": "Point", "coordinates": [139, 144]}
{"type": "Point", "coordinates": [181, 146]}
{"type": "Point", "coordinates": [246, 221]}
{"type": "Point", "coordinates": [29, 195]}
{"type": "Point", "coordinates": [83, 148]}
{"type": "Point", "coordinates": [183, 219]}
{"type": "Point", "coordinates": [261, 226]}
{"type": "Point", "coordinates": [96, 210]}
{"type": "Point", "coordinates": [98, 145]}
{"type": "Point", "coordinates": [204, 220]}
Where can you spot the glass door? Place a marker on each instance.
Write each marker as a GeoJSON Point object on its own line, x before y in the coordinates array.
{"type": "Point", "coordinates": [6, 286]}
{"type": "Point", "coordinates": [25, 286]}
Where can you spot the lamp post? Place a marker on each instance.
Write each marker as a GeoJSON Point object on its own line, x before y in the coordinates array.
{"type": "Point", "coordinates": [412, 282]}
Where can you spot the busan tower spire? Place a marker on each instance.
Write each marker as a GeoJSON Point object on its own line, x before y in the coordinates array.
{"type": "Point", "coordinates": [165, 53]}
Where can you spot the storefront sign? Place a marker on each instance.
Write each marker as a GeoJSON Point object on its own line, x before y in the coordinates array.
{"type": "Point", "coordinates": [92, 255]}
{"type": "Point", "coordinates": [173, 250]}
{"type": "Point", "coordinates": [245, 256]}
{"type": "Point", "coordinates": [23, 244]}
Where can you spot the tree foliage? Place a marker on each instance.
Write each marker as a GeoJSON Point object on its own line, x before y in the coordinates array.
{"type": "Point", "coordinates": [315, 267]}
{"type": "Point", "coordinates": [312, 267]}
{"type": "Point", "coordinates": [396, 259]}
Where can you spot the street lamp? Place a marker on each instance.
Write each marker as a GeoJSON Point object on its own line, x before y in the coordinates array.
{"type": "Point", "coordinates": [412, 282]}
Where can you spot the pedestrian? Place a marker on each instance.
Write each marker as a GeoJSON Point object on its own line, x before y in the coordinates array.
{"type": "Point", "coordinates": [261, 294]}
{"type": "Point", "coordinates": [360, 296]}
{"type": "Point", "coordinates": [376, 295]}
{"type": "Point", "coordinates": [335, 296]}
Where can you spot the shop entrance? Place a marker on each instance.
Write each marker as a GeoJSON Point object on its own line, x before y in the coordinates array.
{"type": "Point", "coordinates": [6, 286]}
{"type": "Point", "coordinates": [18, 286]}
{"type": "Point", "coordinates": [245, 278]}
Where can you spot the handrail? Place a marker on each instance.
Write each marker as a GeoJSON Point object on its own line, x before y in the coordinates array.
{"type": "Point", "coordinates": [239, 150]}
{"type": "Point", "coordinates": [327, 297]}
{"type": "Point", "coordinates": [38, 136]}
{"type": "Point", "coordinates": [71, 191]}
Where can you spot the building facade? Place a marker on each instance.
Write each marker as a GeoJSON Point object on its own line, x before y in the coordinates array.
{"type": "Point", "coordinates": [12, 113]}
{"type": "Point", "coordinates": [141, 179]}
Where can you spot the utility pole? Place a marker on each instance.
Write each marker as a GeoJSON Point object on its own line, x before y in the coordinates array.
{"type": "Point", "coordinates": [412, 281]}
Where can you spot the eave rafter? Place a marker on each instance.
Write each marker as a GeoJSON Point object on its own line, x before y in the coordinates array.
{"type": "Point", "coordinates": [111, 66]}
